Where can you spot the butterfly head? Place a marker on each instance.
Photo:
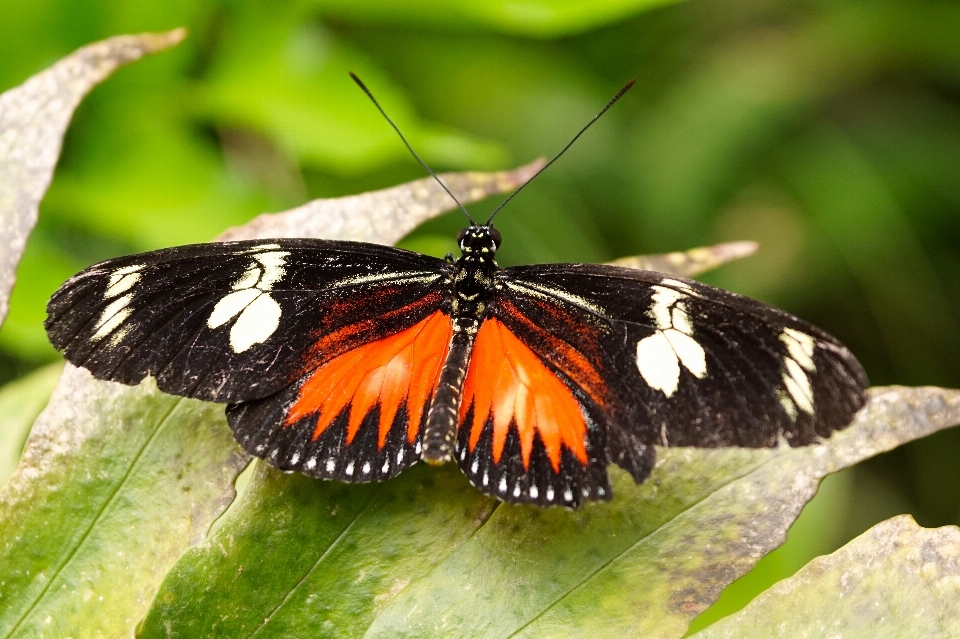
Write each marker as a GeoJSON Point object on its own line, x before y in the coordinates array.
{"type": "Point", "coordinates": [479, 240]}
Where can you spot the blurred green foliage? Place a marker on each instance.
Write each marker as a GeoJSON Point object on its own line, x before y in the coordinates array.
{"type": "Point", "coordinates": [829, 131]}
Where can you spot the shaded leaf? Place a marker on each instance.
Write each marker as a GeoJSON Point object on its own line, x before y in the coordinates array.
{"type": "Point", "coordinates": [385, 216]}
{"type": "Point", "coordinates": [116, 482]}
{"type": "Point", "coordinates": [644, 564]}
{"type": "Point", "coordinates": [691, 262]}
{"type": "Point", "coordinates": [895, 580]}
{"type": "Point", "coordinates": [542, 18]}
{"type": "Point", "coordinates": [20, 403]}
{"type": "Point", "coordinates": [33, 119]}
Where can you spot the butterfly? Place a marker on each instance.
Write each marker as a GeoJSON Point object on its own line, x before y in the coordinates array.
{"type": "Point", "coordinates": [353, 361]}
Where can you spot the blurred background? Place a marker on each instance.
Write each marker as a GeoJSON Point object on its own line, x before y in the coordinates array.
{"type": "Point", "coordinates": [826, 130]}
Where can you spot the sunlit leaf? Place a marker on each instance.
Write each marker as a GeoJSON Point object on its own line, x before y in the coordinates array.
{"type": "Point", "coordinates": [33, 119]}
{"type": "Point", "coordinates": [319, 554]}
{"type": "Point", "coordinates": [691, 262]}
{"type": "Point", "coordinates": [895, 580]}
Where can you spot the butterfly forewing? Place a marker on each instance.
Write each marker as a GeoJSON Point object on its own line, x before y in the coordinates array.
{"type": "Point", "coordinates": [682, 363]}
{"type": "Point", "coordinates": [235, 321]}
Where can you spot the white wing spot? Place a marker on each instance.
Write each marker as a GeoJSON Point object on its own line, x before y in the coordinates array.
{"type": "Point", "coordinates": [257, 322]}
{"type": "Point", "coordinates": [295, 458]}
{"type": "Point", "coordinates": [567, 495]}
{"type": "Point", "coordinates": [788, 406]}
{"type": "Point", "coordinates": [681, 320]}
{"type": "Point", "coordinates": [249, 278]}
{"type": "Point", "coordinates": [663, 300]}
{"type": "Point", "coordinates": [486, 478]}
{"type": "Point", "coordinates": [659, 355]}
{"type": "Point", "coordinates": [230, 305]}
{"type": "Point", "coordinates": [400, 456]}
{"type": "Point", "coordinates": [502, 487]}
{"type": "Point", "coordinates": [800, 346]}
{"type": "Point", "coordinates": [516, 490]}
{"type": "Point", "coordinates": [798, 385]}
{"type": "Point", "coordinates": [658, 363]}
{"type": "Point", "coordinates": [475, 465]}
{"type": "Point", "coordinates": [121, 281]}
{"type": "Point", "coordinates": [418, 447]}
{"type": "Point", "coordinates": [349, 470]}
{"type": "Point", "coordinates": [601, 492]}
{"type": "Point", "coordinates": [549, 493]}
{"type": "Point", "coordinates": [534, 492]}
{"type": "Point", "coordinates": [366, 468]}
{"type": "Point", "coordinates": [689, 351]}
{"type": "Point", "coordinates": [331, 465]}
{"type": "Point", "coordinates": [585, 492]}
{"type": "Point", "coordinates": [273, 268]}
{"type": "Point", "coordinates": [115, 314]}
{"type": "Point", "coordinates": [311, 463]}
{"type": "Point", "coordinates": [386, 466]}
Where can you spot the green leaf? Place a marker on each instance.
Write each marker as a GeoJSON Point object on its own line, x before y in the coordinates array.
{"type": "Point", "coordinates": [35, 117]}
{"type": "Point", "coordinates": [114, 483]}
{"type": "Point", "coordinates": [20, 403]}
{"type": "Point", "coordinates": [895, 580]}
{"type": "Point", "coordinates": [419, 558]}
{"type": "Point", "coordinates": [539, 18]}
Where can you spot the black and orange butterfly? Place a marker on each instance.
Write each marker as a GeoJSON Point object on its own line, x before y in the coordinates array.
{"type": "Point", "coordinates": [353, 361]}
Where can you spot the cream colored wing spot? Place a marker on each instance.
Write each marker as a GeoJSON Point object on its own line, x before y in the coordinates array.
{"type": "Point", "coordinates": [659, 356]}
{"type": "Point", "coordinates": [122, 280]}
{"type": "Point", "coordinates": [115, 314]}
{"type": "Point", "coordinates": [255, 314]}
{"type": "Point", "coordinates": [796, 366]}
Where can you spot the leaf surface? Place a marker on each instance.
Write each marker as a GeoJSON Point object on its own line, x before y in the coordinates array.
{"type": "Point", "coordinates": [418, 556]}
{"type": "Point", "coordinates": [33, 118]}
{"type": "Point", "coordinates": [896, 580]}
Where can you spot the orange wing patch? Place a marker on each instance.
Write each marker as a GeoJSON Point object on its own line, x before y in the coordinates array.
{"type": "Point", "coordinates": [403, 366]}
{"type": "Point", "coordinates": [508, 381]}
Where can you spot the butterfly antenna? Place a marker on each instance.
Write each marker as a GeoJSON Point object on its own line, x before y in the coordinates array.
{"type": "Point", "coordinates": [410, 148]}
{"type": "Point", "coordinates": [619, 95]}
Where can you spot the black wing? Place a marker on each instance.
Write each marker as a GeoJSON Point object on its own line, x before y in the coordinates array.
{"type": "Point", "coordinates": [662, 360]}
{"type": "Point", "coordinates": [231, 321]}
{"type": "Point", "coordinates": [259, 325]}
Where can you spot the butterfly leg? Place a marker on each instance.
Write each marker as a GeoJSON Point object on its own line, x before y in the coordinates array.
{"type": "Point", "coordinates": [441, 428]}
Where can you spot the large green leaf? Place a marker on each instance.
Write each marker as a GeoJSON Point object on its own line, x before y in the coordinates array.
{"type": "Point", "coordinates": [33, 118]}
{"type": "Point", "coordinates": [419, 556]}
{"type": "Point", "coordinates": [896, 580]}
{"type": "Point", "coordinates": [539, 18]}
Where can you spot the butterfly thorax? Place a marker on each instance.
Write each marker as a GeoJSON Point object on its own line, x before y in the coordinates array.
{"type": "Point", "coordinates": [473, 282]}
{"type": "Point", "coordinates": [470, 296]}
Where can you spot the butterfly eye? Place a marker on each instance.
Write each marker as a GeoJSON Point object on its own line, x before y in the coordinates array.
{"type": "Point", "coordinates": [462, 234]}
{"type": "Point", "coordinates": [495, 234]}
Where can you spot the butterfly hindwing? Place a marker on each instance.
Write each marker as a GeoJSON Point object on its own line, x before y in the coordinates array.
{"type": "Point", "coordinates": [236, 321]}
{"type": "Point", "coordinates": [357, 415]}
{"type": "Point", "coordinates": [526, 433]}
